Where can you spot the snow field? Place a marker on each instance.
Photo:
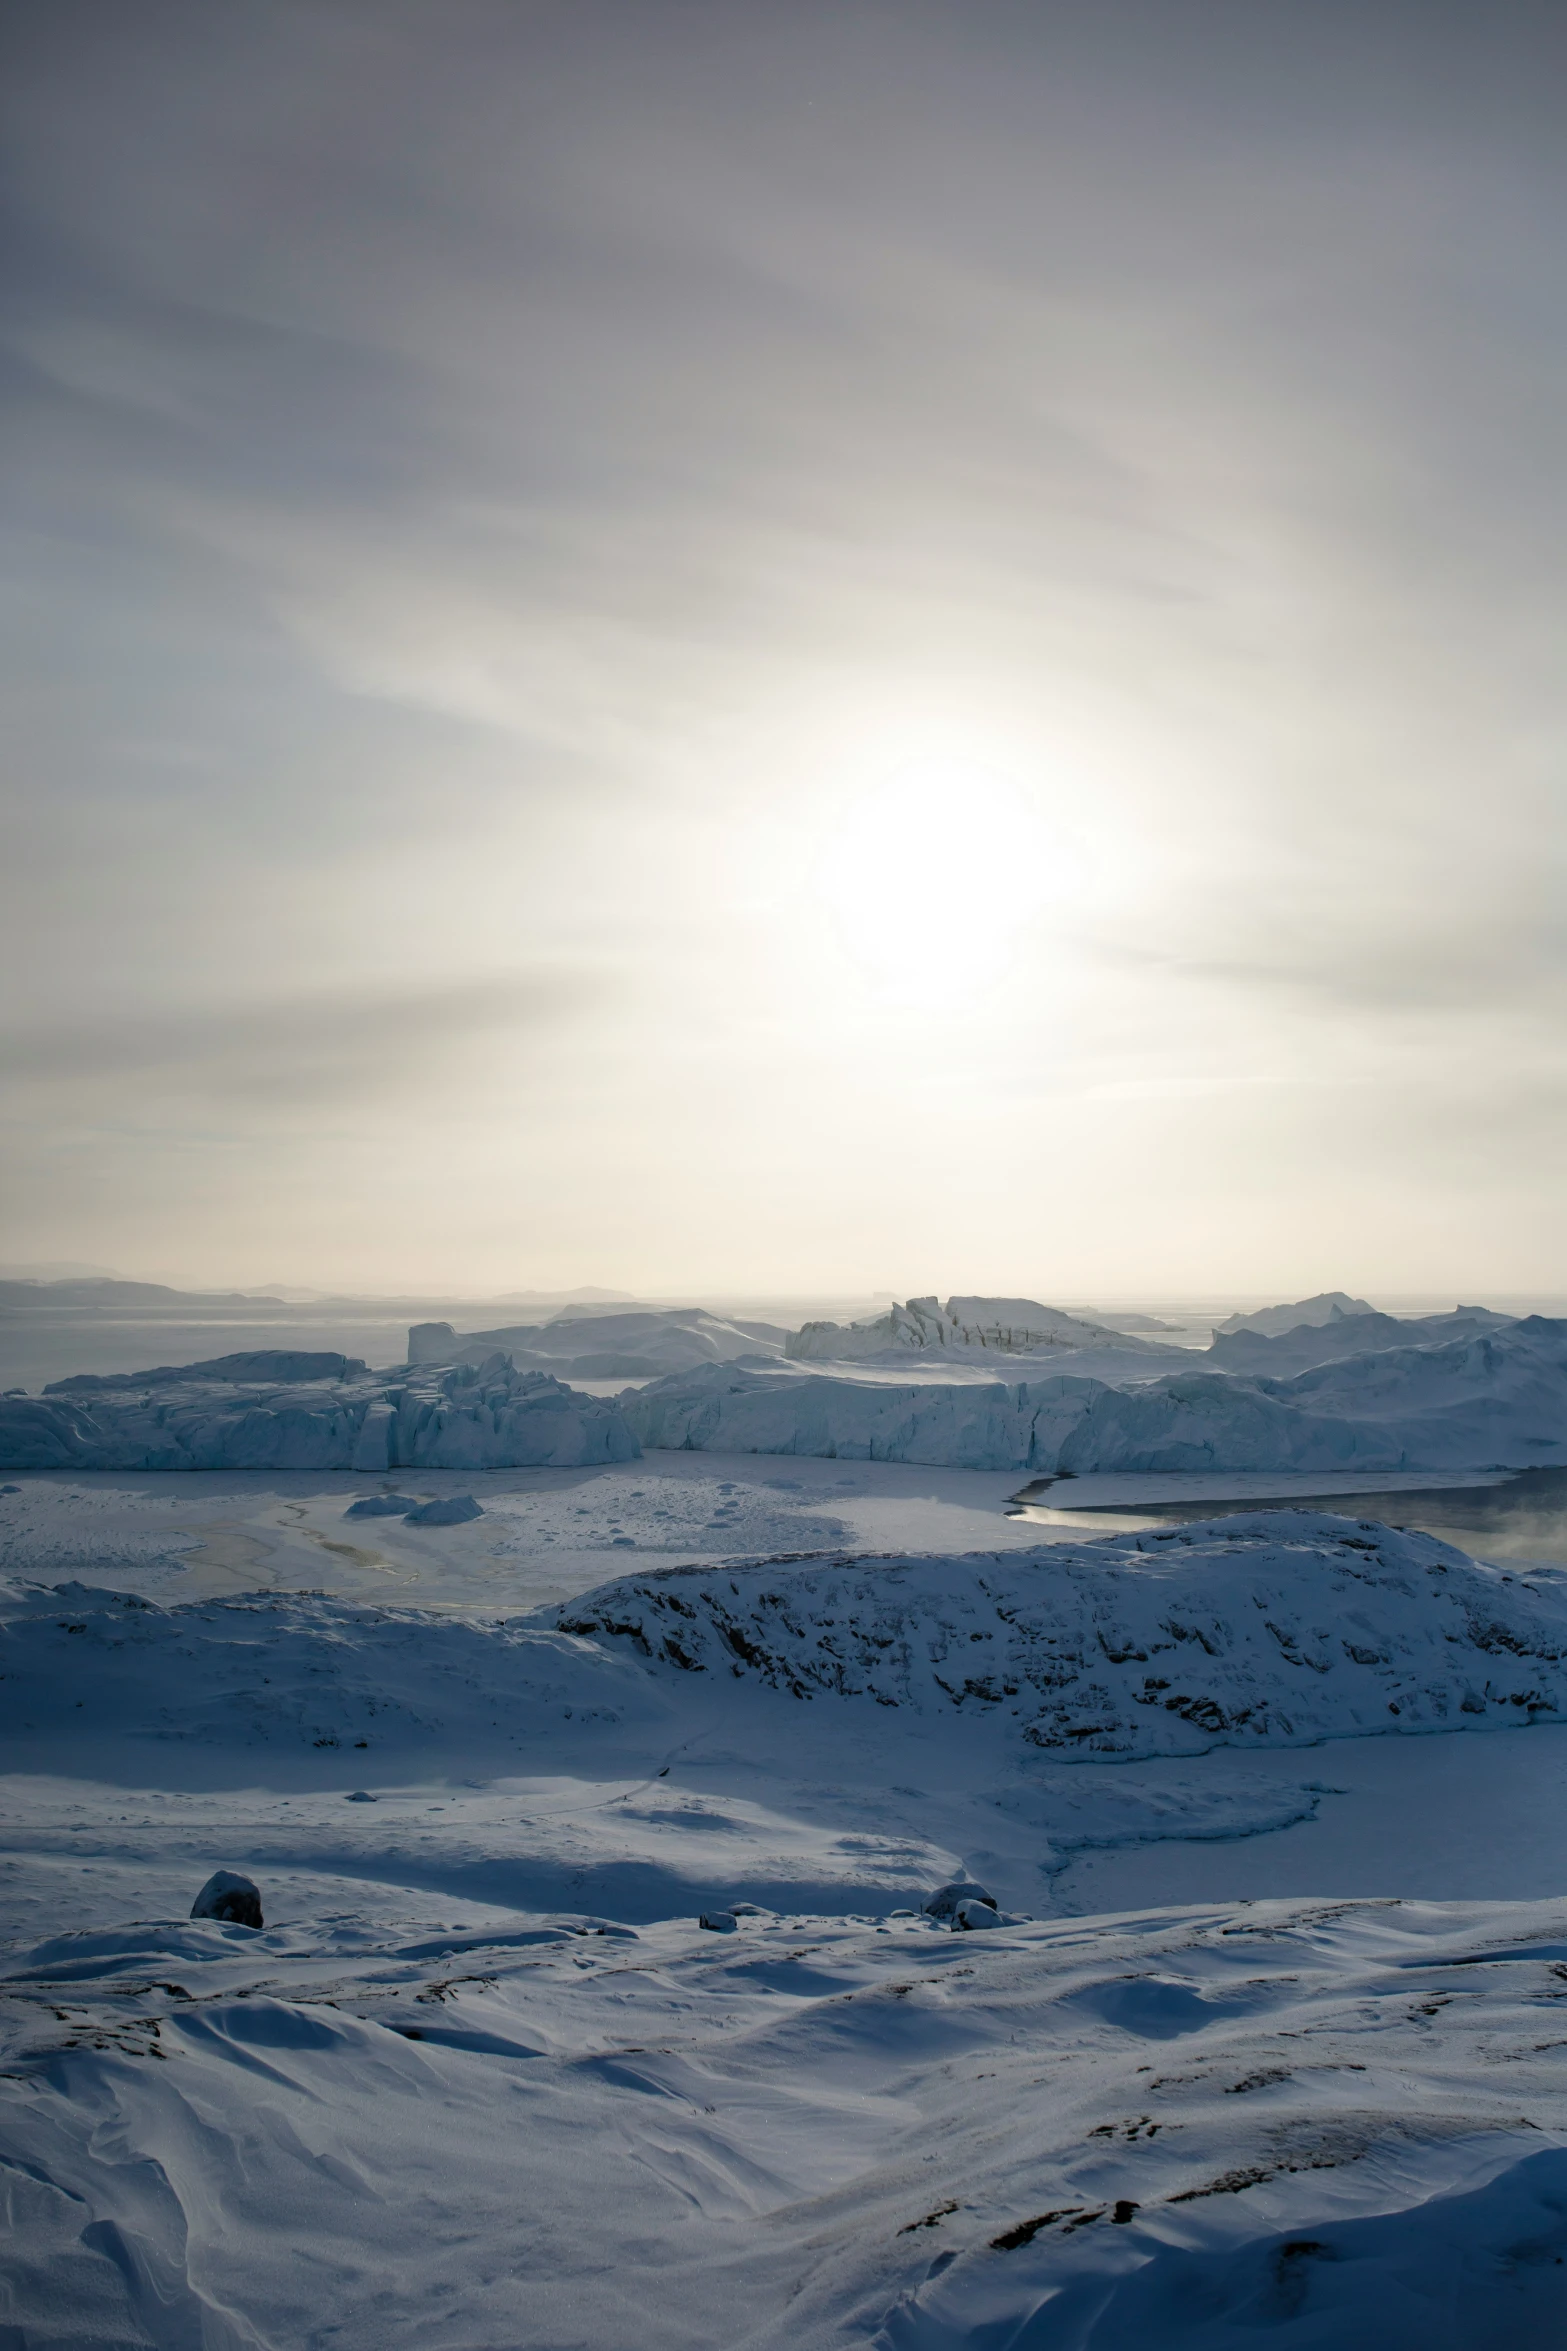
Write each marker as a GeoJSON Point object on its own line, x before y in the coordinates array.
{"type": "Point", "coordinates": [1295, 2122]}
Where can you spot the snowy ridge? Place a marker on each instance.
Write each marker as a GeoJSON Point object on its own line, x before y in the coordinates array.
{"type": "Point", "coordinates": [1496, 1399]}
{"type": "Point", "coordinates": [484, 1416]}
{"type": "Point", "coordinates": [1275, 1629]}
{"type": "Point", "coordinates": [1271, 1630]}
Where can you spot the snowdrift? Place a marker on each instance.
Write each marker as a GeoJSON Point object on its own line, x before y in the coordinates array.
{"type": "Point", "coordinates": [238, 1414]}
{"type": "Point", "coordinates": [1494, 1400]}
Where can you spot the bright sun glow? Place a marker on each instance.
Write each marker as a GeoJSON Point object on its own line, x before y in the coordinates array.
{"type": "Point", "coordinates": [930, 876]}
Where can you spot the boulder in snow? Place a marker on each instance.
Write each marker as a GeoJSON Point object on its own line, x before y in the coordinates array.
{"type": "Point", "coordinates": [718, 1922]}
{"type": "Point", "coordinates": [382, 1506]}
{"type": "Point", "coordinates": [230, 1897]}
{"type": "Point", "coordinates": [946, 1900]}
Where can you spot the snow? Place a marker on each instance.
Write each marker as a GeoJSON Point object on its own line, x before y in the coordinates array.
{"type": "Point", "coordinates": [1480, 1401]}
{"type": "Point", "coordinates": [1245, 2015]}
{"type": "Point", "coordinates": [244, 1415]}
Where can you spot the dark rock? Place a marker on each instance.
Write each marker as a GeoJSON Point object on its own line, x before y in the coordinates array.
{"type": "Point", "coordinates": [228, 1896]}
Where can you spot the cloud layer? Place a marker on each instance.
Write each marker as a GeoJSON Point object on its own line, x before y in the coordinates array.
{"type": "Point", "coordinates": [498, 494]}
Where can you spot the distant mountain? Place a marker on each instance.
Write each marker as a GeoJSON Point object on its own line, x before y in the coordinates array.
{"type": "Point", "coordinates": [141, 1299]}
{"type": "Point", "coordinates": [1272, 1321]}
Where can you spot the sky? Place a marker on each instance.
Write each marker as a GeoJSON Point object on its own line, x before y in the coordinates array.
{"type": "Point", "coordinates": [733, 648]}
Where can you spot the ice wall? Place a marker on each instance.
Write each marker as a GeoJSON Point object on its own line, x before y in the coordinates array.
{"type": "Point", "coordinates": [485, 1416]}
{"type": "Point", "coordinates": [1494, 1401]}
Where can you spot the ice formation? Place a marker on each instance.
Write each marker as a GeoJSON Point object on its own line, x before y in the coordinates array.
{"type": "Point", "coordinates": [1005, 1326]}
{"type": "Point", "coordinates": [634, 1345]}
{"type": "Point", "coordinates": [1494, 1399]}
{"type": "Point", "coordinates": [471, 1416]}
{"type": "Point", "coordinates": [1272, 1321]}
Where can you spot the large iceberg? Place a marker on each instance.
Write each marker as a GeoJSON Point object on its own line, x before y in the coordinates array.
{"type": "Point", "coordinates": [1003, 1326]}
{"type": "Point", "coordinates": [240, 1415]}
{"type": "Point", "coordinates": [637, 1344]}
{"type": "Point", "coordinates": [1494, 1400]}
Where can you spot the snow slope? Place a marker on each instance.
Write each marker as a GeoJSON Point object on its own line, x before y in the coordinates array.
{"type": "Point", "coordinates": [482, 2081]}
{"type": "Point", "coordinates": [1302, 2123]}
{"type": "Point", "coordinates": [1499, 1399]}
{"type": "Point", "coordinates": [240, 1415]}
{"type": "Point", "coordinates": [1283, 1627]}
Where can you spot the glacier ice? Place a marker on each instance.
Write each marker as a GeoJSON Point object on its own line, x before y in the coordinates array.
{"type": "Point", "coordinates": [1005, 1326]}
{"type": "Point", "coordinates": [1485, 1400]}
{"type": "Point", "coordinates": [466, 1416]}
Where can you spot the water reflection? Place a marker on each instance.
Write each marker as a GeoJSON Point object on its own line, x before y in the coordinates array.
{"type": "Point", "coordinates": [1524, 1518]}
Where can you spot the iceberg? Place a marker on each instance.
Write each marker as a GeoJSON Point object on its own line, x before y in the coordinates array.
{"type": "Point", "coordinates": [244, 1416]}
{"type": "Point", "coordinates": [1004, 1326]}
{"type": "Point", "coordinates": [1489, 1400]}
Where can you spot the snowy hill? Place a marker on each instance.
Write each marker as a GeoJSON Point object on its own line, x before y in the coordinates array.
{"type": "Point", "coordinates": [1271, 1629]}
{"type": "Point", "coordinates": [244, 1412]}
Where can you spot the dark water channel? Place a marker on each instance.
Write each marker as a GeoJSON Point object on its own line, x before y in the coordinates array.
{"type": "Point", "coordinates": [1524, 1519]}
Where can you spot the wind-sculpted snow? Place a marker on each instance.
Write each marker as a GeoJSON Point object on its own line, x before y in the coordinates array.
{"type": "Point", "coordinates": [486, 1416]}
{"type": "Point", "coordinates": [1498, 1399]}
{"type": "Point", "coordinates": [1275, 1629]}
{"type": "Point", "coordinates": [1191, 2129]}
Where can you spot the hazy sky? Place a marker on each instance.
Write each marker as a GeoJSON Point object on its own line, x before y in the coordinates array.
{"type": "Point", "coordinates": [742, 646]}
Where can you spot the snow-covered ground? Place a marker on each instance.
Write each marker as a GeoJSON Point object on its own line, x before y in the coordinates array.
{"type": "Point", "coordinates": [1276, 2045]}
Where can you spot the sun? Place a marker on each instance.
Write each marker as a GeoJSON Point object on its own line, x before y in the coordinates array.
{"type": "Point", "coordinates": [930, 875]}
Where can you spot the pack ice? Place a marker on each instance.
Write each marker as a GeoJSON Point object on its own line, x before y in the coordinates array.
{"type": "Point", "coordinates": [271, 1411]}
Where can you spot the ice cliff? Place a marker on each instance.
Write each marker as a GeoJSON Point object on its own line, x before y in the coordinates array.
{"type": "Point", "coordinates": [240, 1414]}
{"type": "Point", "coordinates": [1497, 1399]}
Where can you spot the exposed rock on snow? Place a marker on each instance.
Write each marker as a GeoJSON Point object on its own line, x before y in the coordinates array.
{"type": "Point", "coordinates": [1004, 1326]}
{"type": "Point", "coordinates": [382, 1506]}
{"type": "Point", "coordinates": [484, 1416]}
{"type": "Point", "coordinates": [969, 1915]}
{"type": "Point", "coordinates": [230, 1897]}
{"type": "Point", "coordinates": [1494, 1400]}
{"type": "Point", "coordinates": [719, 1922]}
{"type": "Point", "coordinates": [1279, 1628]}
